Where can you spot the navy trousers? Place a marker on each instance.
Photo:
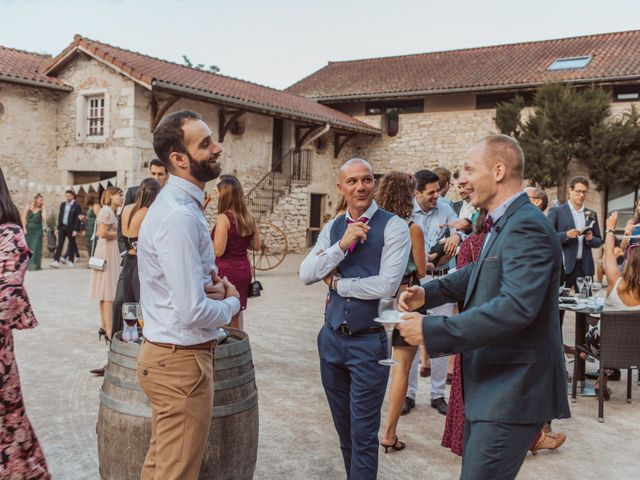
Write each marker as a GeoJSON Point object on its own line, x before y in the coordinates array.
{"type": "Point", "coordinates": [355, 384]}
{"type": "Point", "coordinates": [495, 450]}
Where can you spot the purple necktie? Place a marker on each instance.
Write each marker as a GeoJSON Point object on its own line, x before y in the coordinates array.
{"type": "Point", "coordinates": [488, 224]}
{"type": "Point", "coordinates": [349, 222]}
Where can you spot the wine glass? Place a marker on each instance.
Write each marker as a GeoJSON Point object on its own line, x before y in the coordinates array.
{"type": "Point", "coordinates": [131, 312]}
{"type": "Point", "coordinates": [588, 279]}
{"type": "Point", "coordinates": [389, 317]}
{"type": "Point", "coordinates": [595, 290]}
{"type": "Point", "coordinates": [580, 285]}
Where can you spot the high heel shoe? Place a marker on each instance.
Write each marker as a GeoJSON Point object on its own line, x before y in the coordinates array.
{"type": "Point", "coordinates": [103, 333]}
{"type": "Point", "coordinates": [548, 441]}
{"type": "Point", "coordinates": [396, 445]}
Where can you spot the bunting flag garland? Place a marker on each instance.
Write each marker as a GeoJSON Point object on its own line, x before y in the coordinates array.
{"type": "Point", "coordinates": [59, 189]}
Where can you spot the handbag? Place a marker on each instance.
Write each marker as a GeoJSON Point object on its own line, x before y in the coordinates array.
{"type": "Point", "coordinates": [255, 287]}
{"type": "Point", "coordinates": [96, 263]}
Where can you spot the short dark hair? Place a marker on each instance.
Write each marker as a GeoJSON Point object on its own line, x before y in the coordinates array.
{"type": "Point", "coordinates": [424, 178]}
{"type": "Point", "coordinates": [157, 163]}
{"type": "Point", "coordinates": [576, 180]}
{"type": "Point", "coordinates": [168, 136]}
{"type": "Point", "coordinates": [444, 176]}
{"type": "Point", "coordinates": [71, 192]}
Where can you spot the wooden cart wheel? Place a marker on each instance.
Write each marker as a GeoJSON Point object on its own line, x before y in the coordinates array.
{"type": "Point", "coordinates": [273, 246]}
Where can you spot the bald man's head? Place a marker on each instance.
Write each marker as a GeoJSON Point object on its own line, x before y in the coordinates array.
{"type": "Point", "coordinates": [357, 185]}
{"type": "Point", "coordinates": [505, 150]}
{"type": "Point", "coordinates": [353, 162]}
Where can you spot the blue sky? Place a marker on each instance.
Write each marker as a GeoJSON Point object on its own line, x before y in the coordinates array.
{"type": "Point", "coordinates": [277, 42]}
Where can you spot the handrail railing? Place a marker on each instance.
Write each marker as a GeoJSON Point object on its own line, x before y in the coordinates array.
{"type": "Point", "coordinates": [294, 166]}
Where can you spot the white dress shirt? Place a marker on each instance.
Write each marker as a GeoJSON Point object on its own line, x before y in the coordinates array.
{"type": "Point", "coordinates": [324, 257]}
{"type": "Point", "coordinates": [67, 211]}
{"type": "Point", "coordinates": [175, 262]}
{"type": "Point", "coordinates": [467, 210]}
{"type": "Point", "coordinates": [434, 222]}
{"type": "Point", "coordinates": [581, 222]}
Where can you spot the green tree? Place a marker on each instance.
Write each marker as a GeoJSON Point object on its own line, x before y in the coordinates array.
{"type": "Point", "coordinates": [200, 66]}
{"type": "Point", "coordinates": [557, 132]}
{"type": "Point", "coordinates": [615, 151]}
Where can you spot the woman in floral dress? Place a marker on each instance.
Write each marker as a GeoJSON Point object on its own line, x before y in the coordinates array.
{"type": "Point", "coordinates": [20, 454]}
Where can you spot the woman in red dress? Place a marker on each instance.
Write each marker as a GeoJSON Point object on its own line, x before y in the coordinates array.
{"type": "Point", "coordinates": [20, 452]}
{"type": "Point", "coordinates": [234, 233]}
{"type": "Point", "coordinates": [453, 436]}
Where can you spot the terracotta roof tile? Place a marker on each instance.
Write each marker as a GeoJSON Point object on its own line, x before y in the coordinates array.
{"type": "Point", "coordinates": [20, 66]}
{"type": "Point", "coordinates": [615, 56]}
{"type": "Point", "coordinates": [152, 71]}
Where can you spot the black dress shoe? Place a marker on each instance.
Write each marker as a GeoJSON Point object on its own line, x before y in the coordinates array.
{"type": "Point", "coordinates": [441, 405]}
{"type": "Point", "coordinates": [409, 403]}
{"type": "Point", "coordinates": [98, 372]}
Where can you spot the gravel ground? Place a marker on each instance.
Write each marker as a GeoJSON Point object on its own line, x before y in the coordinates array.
{"type": "Point", "coordinates": [297, 439]}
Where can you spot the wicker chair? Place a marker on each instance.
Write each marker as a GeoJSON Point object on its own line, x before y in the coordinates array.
{"type": "Point", "coordinates": [619, 348]}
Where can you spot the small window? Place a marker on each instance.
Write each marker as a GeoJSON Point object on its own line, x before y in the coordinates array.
{"type": "Point", "coordinates": [95, 116]}
{"type": "Point", "coordinates": [573, 63]}
{"type": "Point", "coordinates": [626, 93]}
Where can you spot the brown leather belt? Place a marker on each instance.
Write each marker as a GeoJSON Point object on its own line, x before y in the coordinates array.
{"type": "Point", "coordinates": [210, 345]}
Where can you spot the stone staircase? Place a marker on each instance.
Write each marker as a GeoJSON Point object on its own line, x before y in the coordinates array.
{"type": "Point", "coordinates": [294, 169]}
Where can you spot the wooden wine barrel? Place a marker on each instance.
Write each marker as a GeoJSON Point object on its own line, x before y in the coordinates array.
{"type": "Point", "coordinates": [124, 421]}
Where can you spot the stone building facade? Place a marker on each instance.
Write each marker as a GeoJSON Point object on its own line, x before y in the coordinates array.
{"type": "Point", "coordinates": [439, 107]}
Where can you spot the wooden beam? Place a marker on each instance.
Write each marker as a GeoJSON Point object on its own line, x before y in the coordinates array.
{"type": "Point", "coordinates": [339, 141]}
{"type": "Point", "coordinates": [157, 111]}
{"type": "Point", "coordinates": [226, 118]}
{"type": "Point", "coordinates": [309, 131]}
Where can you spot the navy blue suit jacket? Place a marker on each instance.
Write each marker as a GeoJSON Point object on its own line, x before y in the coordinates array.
{"type": "Point", "coordinates": [508, 334]}
{"type": "Point", "coordinates": [562, 220]}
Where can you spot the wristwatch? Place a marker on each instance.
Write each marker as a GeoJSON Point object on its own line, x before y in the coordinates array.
{"type": "Point", "coordinates": [610, 230]}
{"type": "Point", "coordinates": [334, 281]}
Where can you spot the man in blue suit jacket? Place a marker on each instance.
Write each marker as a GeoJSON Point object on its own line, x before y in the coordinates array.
{"type": "Point", "coordinates": [512, 361]}
{"type": "Point", "coordinates": [569, 220]}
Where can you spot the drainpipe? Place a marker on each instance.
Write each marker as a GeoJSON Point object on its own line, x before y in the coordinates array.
{"type": "Point", "coordinates": [313, 137]}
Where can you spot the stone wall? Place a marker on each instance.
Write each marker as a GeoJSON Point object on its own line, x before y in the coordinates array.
{"type": "Point", "coordinates": [28, 123]}
{"type": "Point", "coordinates": [117, 151]}
{"type": "Point", "coordinates": [291, 214]}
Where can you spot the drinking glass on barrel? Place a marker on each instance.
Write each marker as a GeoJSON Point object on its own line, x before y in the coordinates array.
{"type": "Point", "coordinates": [131, 312]}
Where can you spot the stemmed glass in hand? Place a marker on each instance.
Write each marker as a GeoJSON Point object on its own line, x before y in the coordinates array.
{"type": "Point", "coordinates": [131, 312]}
{"type": "Point", "coordinates": [389, 317]}
{"type": "Point", "coordinates": [579, 284]}
{"type": "Point", "coordinates": [588, 280]}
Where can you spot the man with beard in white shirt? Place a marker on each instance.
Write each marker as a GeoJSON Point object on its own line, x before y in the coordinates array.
{"type": "Point", "coordinates": [180, 295]}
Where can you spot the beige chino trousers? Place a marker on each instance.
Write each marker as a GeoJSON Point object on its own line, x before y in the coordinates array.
{"type": "Point", "coordinates": [179, 385]}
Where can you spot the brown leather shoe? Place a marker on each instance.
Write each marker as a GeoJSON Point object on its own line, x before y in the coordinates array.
{"type": "Point", "coordinates": [98, 372]}
{"type": "Point", "coordinates": [548, 441]}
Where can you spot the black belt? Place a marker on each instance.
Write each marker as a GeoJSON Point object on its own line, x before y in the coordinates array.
{"type": "Point", "coordinates": [438, 273]}
{"type": "Point", "coordinates": [345, 330]}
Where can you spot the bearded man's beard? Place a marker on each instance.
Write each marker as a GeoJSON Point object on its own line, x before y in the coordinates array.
{"type": "Point", "coordinates": [204, 170]}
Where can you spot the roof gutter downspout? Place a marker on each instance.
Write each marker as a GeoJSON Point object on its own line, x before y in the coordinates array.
{"type": "Point", "coordinates": [324, 130]}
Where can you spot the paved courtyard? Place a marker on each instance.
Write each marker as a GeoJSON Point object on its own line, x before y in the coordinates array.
{"type": "Point", "coordinates": [297, 439]}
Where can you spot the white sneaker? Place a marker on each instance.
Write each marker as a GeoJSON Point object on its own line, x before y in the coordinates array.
{"type": "Point", "coordinates": [54, 264]}
{"type": "Point", "coordinates": [63, 260]}
{"type": "Point", "coordinates": [71, 265]}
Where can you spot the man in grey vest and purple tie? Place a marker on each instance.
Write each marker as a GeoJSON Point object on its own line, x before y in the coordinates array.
{"type": "Point", "coordinates": [362, 256]}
